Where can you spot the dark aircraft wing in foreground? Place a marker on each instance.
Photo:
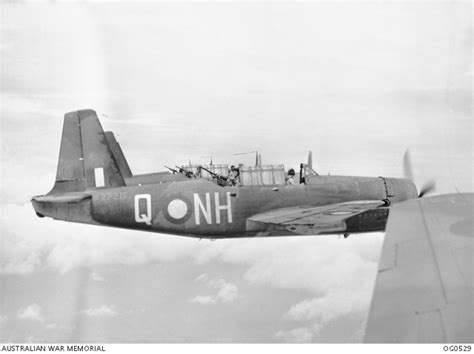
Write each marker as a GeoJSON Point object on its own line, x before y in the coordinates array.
{"type": "Point", "coordinates": [424, 287]}
{"type": "Point", "coordinates": [314, 220]}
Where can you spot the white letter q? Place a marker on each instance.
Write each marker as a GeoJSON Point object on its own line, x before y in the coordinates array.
{"type": "Point", "coordinates": [146, 218]}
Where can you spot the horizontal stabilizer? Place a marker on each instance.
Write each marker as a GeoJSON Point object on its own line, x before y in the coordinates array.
{"type": "Point", "coordinates": [63, 198]}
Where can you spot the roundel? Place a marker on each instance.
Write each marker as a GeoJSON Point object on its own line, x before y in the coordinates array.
{"type": "Point", "coordinates": [177, 210]}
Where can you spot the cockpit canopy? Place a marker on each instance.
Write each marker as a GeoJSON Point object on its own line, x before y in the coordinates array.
{"type": "Point", "coordinates": [261, 175]}
{"type": "Point", "coordinates": [258, 175]}
{"type": "Point", "coordinates": [264, 175]}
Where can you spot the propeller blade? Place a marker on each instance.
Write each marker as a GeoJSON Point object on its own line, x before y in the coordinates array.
{"type": "Point", "coordinates": [310, 160]}
{"type": "Point", "coordinates": [407, 170]}
{"type": "Point", "coordinates": [428, 187]}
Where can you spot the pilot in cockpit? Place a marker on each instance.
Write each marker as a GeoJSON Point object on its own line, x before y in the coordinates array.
{"type": "Point", "coordinates": [290, 180]}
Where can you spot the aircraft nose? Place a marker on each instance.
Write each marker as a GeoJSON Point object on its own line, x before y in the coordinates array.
{"type": "Point", "coordinates": [402, 189]}
{"type": "Point", "coordinates": [410, 189]}
{"type": "Point", "coordinates": [407, 189]}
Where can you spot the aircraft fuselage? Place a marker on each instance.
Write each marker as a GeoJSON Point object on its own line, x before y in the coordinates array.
{"type": "Point", "coordinates": [201, 208]}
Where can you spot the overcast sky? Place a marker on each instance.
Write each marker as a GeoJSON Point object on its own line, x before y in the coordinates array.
{"type": "Point", "coordinates": [357, 83]}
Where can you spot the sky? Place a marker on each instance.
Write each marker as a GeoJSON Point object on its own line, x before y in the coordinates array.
{"type": "Point", "coordinates": [355, 82]}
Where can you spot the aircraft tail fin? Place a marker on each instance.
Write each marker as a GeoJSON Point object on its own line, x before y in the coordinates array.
{"type": "Point", "coordinates": [85, 159]}
{"type": "Point", "coordinates": [118, 155]}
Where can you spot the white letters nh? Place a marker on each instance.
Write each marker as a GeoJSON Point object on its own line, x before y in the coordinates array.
{"type": "Point", "coordinates": [219, 207]}
{"type": "Point", "coordinates": [146, 218]}
{"type": "Point", "coordinates": [207, 211]}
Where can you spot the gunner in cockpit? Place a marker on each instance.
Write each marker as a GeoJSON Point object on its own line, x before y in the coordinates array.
{"type": "Point", "coordinates": [234, 176]}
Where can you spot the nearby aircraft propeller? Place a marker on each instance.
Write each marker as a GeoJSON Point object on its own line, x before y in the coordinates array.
{"type": "Point", "coordinates": [428, 187]}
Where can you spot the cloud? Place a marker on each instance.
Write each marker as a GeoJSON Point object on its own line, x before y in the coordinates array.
{"type": "Point", "coordinates": [63, 246]}
{"type": "Point", "coordinates": [226, 292]}
{"type": "Point", "coordinates": [327, 308]}
{"type": "Point", "coordinates": [338, 273]}
{"type": "Point", "coordinates": [102, 311]}
{"type": "Point", "coordinates": [297, 335]}
{"type": "Point", "coordinates": [32, 312]}
{"type": "Point", "coordinates": [97, 277]}
{"type": "Point", "coordinates": [320, 311]}
{"type": "Point", "coordinates": [32, 339]}
{"type": "Point", "coordinates": [203, 300]}
{"type": "Point", "coordinates": [315, 264]}
{"type": "Point", "coordinates": [202, 277]}
{"type": "Point", "coordinates": [52, 327]}
{"type": "Point", "coordinates": [3, 319]}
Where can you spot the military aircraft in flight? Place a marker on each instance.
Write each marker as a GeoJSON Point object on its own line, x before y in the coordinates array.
{"type": "Point", "coordinates": [424, 284]}
{"type": "Point", "coordinates": [94, 185]}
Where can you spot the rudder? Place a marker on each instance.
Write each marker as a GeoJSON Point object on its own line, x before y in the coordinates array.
{"type": "Point", "coordinates": [118, 155]}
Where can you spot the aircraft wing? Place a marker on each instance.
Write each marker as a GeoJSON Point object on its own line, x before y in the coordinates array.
{"type": "Point", "coordinates": [311, 220]}
{"type": "Point", "coordinates": [424, 286]}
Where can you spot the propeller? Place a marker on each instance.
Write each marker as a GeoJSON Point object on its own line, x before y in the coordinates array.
{"type": "Point", "coordinates": [428, 187]}
{"type": "Point", "coordinates": [407, 171]}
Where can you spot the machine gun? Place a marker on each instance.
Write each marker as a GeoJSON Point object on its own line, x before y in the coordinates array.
{"type": "Point", "coordinates": [172, 170]}
{"type": "Point", "coordinates": [186, 172]}
{"type": "Point", "coordinates": [221, 180]}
